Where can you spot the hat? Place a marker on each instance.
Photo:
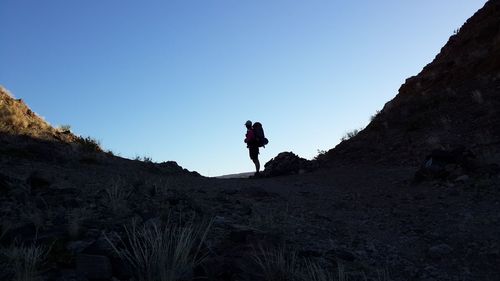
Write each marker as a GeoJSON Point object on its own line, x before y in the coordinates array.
{"type": "Point", "coordinates": [248, 123]}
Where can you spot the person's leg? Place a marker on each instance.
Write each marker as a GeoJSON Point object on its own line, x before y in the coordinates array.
{"type": "Point", "coordinates": [254, 155]}
{"type": "Point", "coordinates": [257, 165]}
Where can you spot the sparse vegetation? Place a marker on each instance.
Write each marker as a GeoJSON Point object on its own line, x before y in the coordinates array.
{"type": "Point", "coordinates": [145, 159]}
{"type": "Point", "coordinates": [350, 134]}
{"type": "Point", "coordinates": [64, 128]}
{"type": "Point", "coordinates": [22, 263]}
{"type": "Point", "coordinates": [158, 253]}
{"type": "Point", "coordinates": [315, 272]}
{"type": "Point", "coordinates": [118, 193]}
{"type": "Point", "coordinates": [273, 219]}
{"type": "Point", "coordinates": [277, 264]}
{"type": "Point", "coordinates": [89, 144]}
{"type": "Point", "coordinates": [321, 153]}
{"type": "Point", "coordinates": [374, 116]}
{"type": "Point", "coordinates": [17, 118]}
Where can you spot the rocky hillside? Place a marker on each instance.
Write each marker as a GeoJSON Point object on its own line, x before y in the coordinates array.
{"type": "Point", "coordinates": [16, 118]}
{"type": "Point", "coordinates": [454, 101]}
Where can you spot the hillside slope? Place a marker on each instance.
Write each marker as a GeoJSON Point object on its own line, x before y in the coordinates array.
{"type": "Point", "coordinates": [454, 101]}
{"type": "Point", "coordinates": [16, 118]}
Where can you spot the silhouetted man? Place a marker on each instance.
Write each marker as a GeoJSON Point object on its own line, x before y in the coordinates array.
{"type": "Point", "coordinates": [253, 146]}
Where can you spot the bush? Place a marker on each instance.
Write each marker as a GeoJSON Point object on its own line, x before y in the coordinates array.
{"type": "Point", "coordinates": [350, 134]}
{"type": "Point", "coordinates": [321, 154]}
{"type": "Point", "coordinates": [374, 116]}
{"type": "Point", "coordinates": [89, 144]}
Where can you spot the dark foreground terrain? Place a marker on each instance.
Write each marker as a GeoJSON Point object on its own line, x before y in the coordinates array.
{"type": "Point", "coordinates": [364, 221]}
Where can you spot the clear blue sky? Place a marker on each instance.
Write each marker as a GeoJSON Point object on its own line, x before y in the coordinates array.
{"type": "Point", "coordinates": [176, 80]}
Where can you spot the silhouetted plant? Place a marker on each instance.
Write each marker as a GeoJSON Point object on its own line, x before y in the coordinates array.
{"type": "Point", "coordinates": [89, 144]}
{"type": "Point", "coordinates": [350, 134]}
{"type": "Point", "coordinates": [321, 153]}
{"type": "Point", "coordinates": [377, 113]}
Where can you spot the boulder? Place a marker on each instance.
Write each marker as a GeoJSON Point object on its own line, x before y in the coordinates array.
{"type": "Point", "coordinates": [287, 163]}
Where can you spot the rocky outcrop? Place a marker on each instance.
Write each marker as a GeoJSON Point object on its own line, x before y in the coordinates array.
{"type": "Point", "coordinates": [287, 163]}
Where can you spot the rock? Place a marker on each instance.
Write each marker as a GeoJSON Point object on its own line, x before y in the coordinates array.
{"type": "Point", "coordinates": [462, 178]}
{"type": "Point", "coordinates": [287, 163]}
{"type": "Point", "coordinates": [219, 220]}
{"type": "Point", "coordinates": [94, 267]}
{"type": "Point", "coordinates": [440, 251]}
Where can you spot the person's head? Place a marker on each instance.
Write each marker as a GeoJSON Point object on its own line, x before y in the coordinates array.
{"type": "Point", "coordinates": [248, 124]}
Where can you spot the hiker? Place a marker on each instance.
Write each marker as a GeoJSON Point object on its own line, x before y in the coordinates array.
{"type": "Point", "coordinates": [253, 146]}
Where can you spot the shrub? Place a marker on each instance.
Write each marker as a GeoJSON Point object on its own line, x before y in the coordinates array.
{"type": "Point", "coordinates": [350, 134]}
{"type": "Point", "coordinates": [89, 144]}
{"type": "Point", "coordinates": [157, 253]}
{"type": "Point", "coordinates": [321, 154]}
{"type": "Point", "coordinates": [374, 116]}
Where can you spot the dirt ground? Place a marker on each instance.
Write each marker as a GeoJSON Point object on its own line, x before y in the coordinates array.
{"type": "Point", "coordinates": [377, 218]}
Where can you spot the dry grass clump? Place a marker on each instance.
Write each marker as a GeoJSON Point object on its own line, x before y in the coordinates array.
{"type": "Point", "coordinates": [280, 264]}
{"type": "Point", "coordinates": [158, 253]}
{"type": "Point", "coordinates": [22, 263]}
{"type": "Point", "coordinates": [118, 193]}
{"type": "Point", "coordinates": [89, 144]}
{"type": "Point", "coordinates": [277, 264]}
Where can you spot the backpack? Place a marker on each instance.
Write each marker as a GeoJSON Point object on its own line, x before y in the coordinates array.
{"type": "Point", "coordinates": [259, 134]}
